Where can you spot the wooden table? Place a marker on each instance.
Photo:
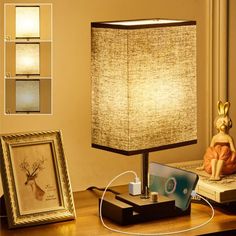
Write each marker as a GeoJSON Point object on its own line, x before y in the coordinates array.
{"type": "Point", "coordinates": [87, 222]}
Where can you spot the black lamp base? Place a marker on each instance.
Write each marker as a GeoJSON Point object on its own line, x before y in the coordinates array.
{"type": "Point", "coordinates": [126, 209]}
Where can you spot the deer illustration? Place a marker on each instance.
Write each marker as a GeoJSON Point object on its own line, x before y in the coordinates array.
{"type": "Point", "coordinates": [31, 175]}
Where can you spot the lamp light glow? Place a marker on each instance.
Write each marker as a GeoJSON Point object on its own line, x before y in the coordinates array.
{"type": "Point", "coordinates": [27, 22]}
{"type": "Point", "coordinates": [27, 59]}
{"type": "Point", "coordinates": [143, 22]}
{"type": "Point", "coordinates": [144, 94]}
{"type": "Point", "coordinates": [27, 96]}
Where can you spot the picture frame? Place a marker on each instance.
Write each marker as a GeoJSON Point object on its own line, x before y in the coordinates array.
{"type": "Point", "coordinates": [35, 179]}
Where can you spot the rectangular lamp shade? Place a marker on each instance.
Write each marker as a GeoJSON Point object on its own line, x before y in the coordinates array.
{"type": "Point", "coordinates": [27, 59]}
{"type": "Point", "coordinates": [27, 96]}
{"type": "Point", "coordinates": [144, 85]}
{"type": "Point", "coordinates": [27, 22]}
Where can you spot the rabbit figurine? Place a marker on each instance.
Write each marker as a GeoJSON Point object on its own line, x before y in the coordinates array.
{"type": "Point", "coordinates": [220, 157]}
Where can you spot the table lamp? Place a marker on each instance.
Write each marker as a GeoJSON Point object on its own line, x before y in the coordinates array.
{"type": "Point", "coordinates": [27, 22]}
{"type": "Point", "coordinates": [144, 94]}
{"type": "Point", "coordinates": [27, 95]}
{"type": "Point", "coordinates": [27, 59]}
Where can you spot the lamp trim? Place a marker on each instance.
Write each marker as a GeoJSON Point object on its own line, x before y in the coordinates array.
{"type": "Point", "coordinates": [106, 24]}
{"type": "Point", "coordinates": [134, 152]}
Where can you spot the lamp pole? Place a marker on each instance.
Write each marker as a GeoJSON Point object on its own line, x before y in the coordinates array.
{"type": "Point", "coordinates": [145, 162]}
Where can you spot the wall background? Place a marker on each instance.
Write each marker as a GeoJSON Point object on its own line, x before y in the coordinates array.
{"type": "Point", "coordinates": [231, 65]}
{"type": "Point", "coordinates": [71, 84]}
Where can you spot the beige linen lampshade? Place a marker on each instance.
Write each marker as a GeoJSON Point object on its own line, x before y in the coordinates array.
{"type": "Point", "coordinates": [27, 21]}
{"type": "Point", "coordinates": [144, 94]}
{"type": "Point", "coordinates": [27, 58]}
{"type": "Point", "coordinates": [27, 96]}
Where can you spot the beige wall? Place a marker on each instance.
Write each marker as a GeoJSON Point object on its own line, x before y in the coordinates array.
{"type": "Point", "coordinates": [71, 84]}
{"type": "Point", "coordinates": [45, 96]}
{"type": "Point", "coordinates": [10, 95]}
{"type": "Point", "coordinates": [232, 67]}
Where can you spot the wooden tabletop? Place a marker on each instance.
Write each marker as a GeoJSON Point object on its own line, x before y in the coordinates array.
{"type": "Point", "coordinates": [87, 222]}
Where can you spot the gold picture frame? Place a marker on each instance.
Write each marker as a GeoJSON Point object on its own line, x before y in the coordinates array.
{"type": "Point", "coordinates": [35, 179]}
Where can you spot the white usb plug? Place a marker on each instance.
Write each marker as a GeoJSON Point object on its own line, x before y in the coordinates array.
{"type": "Point", "coordinates": [135, 187]}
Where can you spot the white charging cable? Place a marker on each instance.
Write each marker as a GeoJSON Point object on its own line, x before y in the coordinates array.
{"type": "Point", "coordinates": [150, 234]}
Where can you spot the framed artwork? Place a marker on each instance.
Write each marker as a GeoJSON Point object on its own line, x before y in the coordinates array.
{"type": "Point", "coordinates": [35, 179]}
{"type": "Point", "coordinates": [27, 96]}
